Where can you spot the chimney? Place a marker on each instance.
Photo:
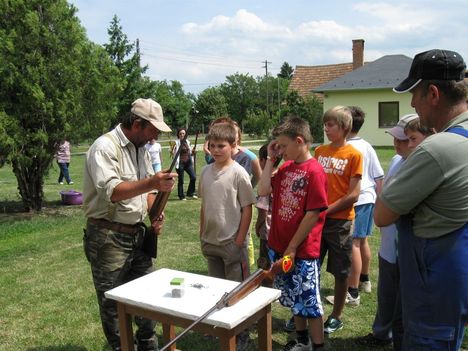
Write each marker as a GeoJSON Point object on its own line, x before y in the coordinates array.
{"type": "Point", "coordinates": [358, 53]}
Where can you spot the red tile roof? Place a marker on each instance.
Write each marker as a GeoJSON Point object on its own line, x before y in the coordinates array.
{"type": "Point", "coordinates": [307, 78]}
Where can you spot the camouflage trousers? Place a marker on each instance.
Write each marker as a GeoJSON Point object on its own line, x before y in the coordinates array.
{"type": "Point", "coordinates": [117, 258]}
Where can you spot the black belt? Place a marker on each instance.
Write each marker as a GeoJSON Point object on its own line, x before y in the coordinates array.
{"type": "Point", "coordinates": [115, 226]}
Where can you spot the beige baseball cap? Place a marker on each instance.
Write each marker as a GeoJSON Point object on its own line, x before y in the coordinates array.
{"type": "Point", "coordinates": [151, 111]}
{"type": "Point", "coordinates": [399, 130]}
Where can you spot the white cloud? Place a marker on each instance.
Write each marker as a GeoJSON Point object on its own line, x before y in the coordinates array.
{"type": "Point", "coordinates": [241, 24]}
{"type": "Point", "coordinates": [225, 44]}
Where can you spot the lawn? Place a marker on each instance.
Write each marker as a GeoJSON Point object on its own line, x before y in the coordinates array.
{"type": "Point", "coordinates": [47, 299]}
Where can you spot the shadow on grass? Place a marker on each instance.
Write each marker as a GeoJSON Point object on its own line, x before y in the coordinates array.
{"type": "Point", "coordinates": [352, 343]}
{"type": "Point", "coordinates": [12, 211]}
{"type": "Point", "coordinates": [67, 347]}
{"type": "Point", "coordinates": [17, 206]}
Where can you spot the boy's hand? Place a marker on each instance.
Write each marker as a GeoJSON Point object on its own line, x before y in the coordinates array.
{"type": "Point", "coordinates": [291, 252]}
{"type": "Point", "coordinates": [237, 243]}
{"type": "Point", "coordinates": [273, 150]}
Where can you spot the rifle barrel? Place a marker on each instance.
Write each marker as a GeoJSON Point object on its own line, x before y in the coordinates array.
{"type": "Point", "coordinates": [220, 304]}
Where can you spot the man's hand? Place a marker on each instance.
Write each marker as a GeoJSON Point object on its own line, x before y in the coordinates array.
{"type": "Point", "coordinates": [163, 181]}
{"type": "Point", "coordinates": [157, 224]}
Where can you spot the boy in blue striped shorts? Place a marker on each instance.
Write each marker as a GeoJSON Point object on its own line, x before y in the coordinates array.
{"type": "Point", "coordinates": [299, 191]}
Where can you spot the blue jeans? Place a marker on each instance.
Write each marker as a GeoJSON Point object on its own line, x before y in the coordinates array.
{"type": "Point", "coordinates": [434, 288]}
{"type": "Point", "coordinates": [187, 167]}
{"type": "Point", "coordinates": [64, 172]}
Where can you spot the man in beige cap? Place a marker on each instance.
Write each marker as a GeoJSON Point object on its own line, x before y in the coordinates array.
{"type": "Point", "coordinates": [118, 184]}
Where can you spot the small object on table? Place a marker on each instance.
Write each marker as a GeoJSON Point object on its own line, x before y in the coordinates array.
{"type": "Point", "coordinates": [177, 286]}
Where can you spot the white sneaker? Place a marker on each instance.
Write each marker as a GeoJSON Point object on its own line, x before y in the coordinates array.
{"type": "Point", "coordinates": [61, 183]}
{"type": "Point", "coordinates": [71, 183]}
{"type": "Point", "coordinates": [365, 287]}
{"type": "Point", "coordinates": [351, 301]}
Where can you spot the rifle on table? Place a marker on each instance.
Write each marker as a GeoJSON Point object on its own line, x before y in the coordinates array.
{"type": "Point", "coordinates": [150, 241]}
{"type": "Point", "coordinates": [244, 288]}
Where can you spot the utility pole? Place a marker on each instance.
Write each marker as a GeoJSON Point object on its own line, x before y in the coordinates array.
{"type": "Point", "coordinates": [279, 98]}
{"type": "Point", "coordinates": [266, 62]}
{"type": "Point", "coordinates": [138, 51]}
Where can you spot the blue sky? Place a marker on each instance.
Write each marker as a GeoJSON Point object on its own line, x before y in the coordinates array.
{"type": "Point", "coordinates": [199, 42]}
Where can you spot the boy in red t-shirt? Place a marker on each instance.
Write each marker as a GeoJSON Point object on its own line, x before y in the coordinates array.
{"type": "Point", "coordinates": [299, 191]}
{"type": "Point", "coordinates": [343, 165]}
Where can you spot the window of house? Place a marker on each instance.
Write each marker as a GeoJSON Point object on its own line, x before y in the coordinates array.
{"type": "Point", "coordinates": [388, 114]}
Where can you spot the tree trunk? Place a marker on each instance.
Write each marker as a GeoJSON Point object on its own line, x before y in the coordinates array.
{"type": "Point", "coordinates": [30, 180]}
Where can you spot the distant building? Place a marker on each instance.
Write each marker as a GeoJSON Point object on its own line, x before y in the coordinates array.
{"type": "Point", "coordinates": [367, 85]}
{"type": "Point", "coordinates": [307, 78]}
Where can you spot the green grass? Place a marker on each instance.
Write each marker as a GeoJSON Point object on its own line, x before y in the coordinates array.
{"type": "Point", "coordinates": [47, 299]}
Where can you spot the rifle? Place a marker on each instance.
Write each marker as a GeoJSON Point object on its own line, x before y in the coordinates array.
{"type": "Point", "coordinates": [244, 288]}
{"type": "Point", "coordinates": [150, 241]}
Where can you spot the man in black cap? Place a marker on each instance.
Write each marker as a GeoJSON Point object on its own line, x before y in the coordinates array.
{"type": "Point", "coordinates": [428, 199]}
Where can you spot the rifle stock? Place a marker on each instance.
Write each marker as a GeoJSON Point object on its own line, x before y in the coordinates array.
{"type": "Point", "coordinates": [239, 292]}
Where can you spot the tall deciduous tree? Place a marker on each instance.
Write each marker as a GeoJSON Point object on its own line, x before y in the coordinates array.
{"type": "Point", "coordinates": [42, 55]}
{"type": "Point", "coordinates": [175, 103]}
{"type": "Point", "coordinates": [240, 92]}
{"type": "Point", "coordinates": [210, 104]}
{"type": "Point", "coordinates": [309, 108]}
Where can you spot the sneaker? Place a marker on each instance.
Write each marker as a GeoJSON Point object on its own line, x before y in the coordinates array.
{"type": "Point", "coordinates": [294, 345]}
{"type": "Point", "coordinates": [71, 183]}
{"type": "Point", "coordinates": [332, 325]}
{"type": "Point", "coordinates": [183, 199]}
{"type": "Point", "coordinates": [365, 287]}
{"type": "Point", "coordinates": [351, 301]}
{"type": "Point", "coordinates": [290, 325]}
{"type": "Point", "coordinates": [371, 340]}
{"type": "Point", "coordinates": [61, 183]}
{"type": "Point", "coordinates": [193, 197]}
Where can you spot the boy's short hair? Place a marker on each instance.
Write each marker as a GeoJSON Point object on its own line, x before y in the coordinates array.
{"type": "Point", "coordinates": [263, 152]}
{"type": "Point", "coordinates": [223, 131]}
{"type": "Point", "coordinates": [341, 115]}
{"type": "Point", "coordinates": [416, 126]}
{"type": "Point", "coordinates": [227, 119]}
{"type": "Point", "coordinates": [358, 118]}
{"type": "Point", "coordinates": [293, 127]}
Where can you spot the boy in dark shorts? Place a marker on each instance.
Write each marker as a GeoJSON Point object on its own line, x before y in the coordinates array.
{"type": "Point", "coordinates": [299, 191]}
{"type": "Point", "coordinates": [343, 165]}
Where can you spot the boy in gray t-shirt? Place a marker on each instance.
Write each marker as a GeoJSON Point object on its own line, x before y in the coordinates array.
{"type": "Point", "coordinates": [226, 210]}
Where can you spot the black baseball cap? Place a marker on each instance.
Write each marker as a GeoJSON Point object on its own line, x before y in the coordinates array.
{"type": "Point", "coordinates": [433, 65]}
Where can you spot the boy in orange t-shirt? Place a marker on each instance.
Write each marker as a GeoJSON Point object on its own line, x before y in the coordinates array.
{"type": "Point", "coordinates": [343, 166]}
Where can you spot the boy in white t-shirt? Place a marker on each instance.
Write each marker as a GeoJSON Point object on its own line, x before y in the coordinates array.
{"type": "Point", "coordinates": [155, 151]}
{"type": "Point", "coordinates": [371, 183]}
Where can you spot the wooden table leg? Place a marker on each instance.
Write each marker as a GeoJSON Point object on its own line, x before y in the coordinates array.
{"type": "Point", "coordinates": [125, 328]}
{"type": "Point", "coordinates": [264, 326]}
{"type": "Point", "coordinates": [227, 342]}
{"type": "Point", "coordinates": [168, 335]}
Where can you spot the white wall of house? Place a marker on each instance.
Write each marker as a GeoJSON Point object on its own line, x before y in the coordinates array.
{"type": "Point", "coordinates": [369, 100]}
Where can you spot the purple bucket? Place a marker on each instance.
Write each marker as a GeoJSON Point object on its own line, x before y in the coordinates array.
{"type": "Point", "coordinates": [71, 197]}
